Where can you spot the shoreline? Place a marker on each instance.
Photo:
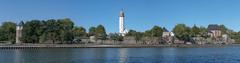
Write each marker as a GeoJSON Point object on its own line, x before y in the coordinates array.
{"type": "Point", "coordinates": [13, 46]}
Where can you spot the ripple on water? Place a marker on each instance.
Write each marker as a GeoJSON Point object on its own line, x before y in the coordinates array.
{"type": "Point", "coordinates": [121, 55]}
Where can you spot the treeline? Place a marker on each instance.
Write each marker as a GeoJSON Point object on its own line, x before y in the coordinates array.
{"type": "Point", "coordinates": [183, 32]}
{"type": "Point", "coordinates": [64, 31]}
{"type": "Point", "coordinates": [52, 30]}
{"type": "Point", "coordinates": [8, 32]}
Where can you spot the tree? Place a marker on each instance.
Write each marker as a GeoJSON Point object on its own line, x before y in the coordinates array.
{"type": "Point", "coordinates": [116, 37]}
{"type": "Point", "coordinates": [182, 32]}
{"type": "Point", "coordinates": [52, 30]}
{"type": "Point", "coordinates": [235, 36]}
{"type": "Point", "coordinates": [203, 32]}
{"type": "Point", "coordinates": [79, 32]}
{"type": "Point", "coordinates": [113, 36]}
{"type": "Point", "coordinates": [148, 33]}
{"type": "Point", "coordinates": [131, 33]}
{"type": "Point", "coordinates": [138, 36]}
{"type": "Point", "coordinates": [32, 30]}
{"type": "Point", "coordinates": [195, 31]}
{"type": "Point", "coordinates": [2, 35]}
{"type": "Point", "coordinates": [224, 29]}
{"type": "Point", "coordinates": [65, 27]}
{"type": "Point", "coordinates": [156, 31]}
{"type": "Point", "coordinates": [101, 33]}
{"type": "Point", "coordinates": [8, 31]}
{"type": "Point", "coordinates": [92, 31]}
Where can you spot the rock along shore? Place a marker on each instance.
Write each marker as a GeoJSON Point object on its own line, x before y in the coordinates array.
{"type": "Point", "coordinates": [9, 46]}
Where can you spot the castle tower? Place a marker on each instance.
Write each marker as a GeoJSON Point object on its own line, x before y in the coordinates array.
{"type": "Point", "coordinates": [19, 28]}
{"type": "Point", "coordinates": [121, 23]}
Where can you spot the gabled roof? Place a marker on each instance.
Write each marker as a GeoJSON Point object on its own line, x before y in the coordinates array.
{"type": "Point", "coordinates": [21, 23]}
{"type": "Point", "coordinates": [213, 27]}
{"type": "Point", "coordinates": [165, 30]}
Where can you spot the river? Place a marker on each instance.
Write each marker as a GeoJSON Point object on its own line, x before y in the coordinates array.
{"type": "Point", "coordinates": [229, 54]}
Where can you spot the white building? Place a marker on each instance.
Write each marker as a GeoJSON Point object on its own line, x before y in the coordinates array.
{"type": "Point", "coordinates": [19, 28]}
{"type": "Point", "coordinates": [122, 30]}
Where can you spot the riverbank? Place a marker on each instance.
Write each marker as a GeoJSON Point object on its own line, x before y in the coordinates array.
{"type": "Point", "coordinates": [8, 46]}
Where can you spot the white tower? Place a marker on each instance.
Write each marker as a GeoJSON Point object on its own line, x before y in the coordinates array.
{"type": "Point", "coordinates": [19, 28]}
{"type": "Point", "coordinates": [121, 23]}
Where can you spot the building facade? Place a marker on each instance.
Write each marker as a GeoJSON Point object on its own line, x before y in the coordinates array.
{"type": "Point", "coordinates": [214, 31]}
{"type": "Point", "coordinates": [166, 33]}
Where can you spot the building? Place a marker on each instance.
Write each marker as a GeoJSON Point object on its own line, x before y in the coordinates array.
{"type": "Point", "coordinates": [19, 28]}
{"type": "Point", "coordinates": [166, 33]}
{"type": "Point", "coordinates": [167, 36]}
{"type": "Point", "coordinates": [214, 31]}
{"type": "Point", "coordinates": [122, 30]}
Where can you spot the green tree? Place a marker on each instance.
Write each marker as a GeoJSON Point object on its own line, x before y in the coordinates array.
{"type": "Point", "coordinates": [195, 31]}
{"type": "Point", "coordinates": [52, 30]}
{"type": "Point", "coordinates": [101, 33]}
{"type": "Point", "coordinates": [236, 36]}
{"type": "Point", "coordinates": [203, 32]}
{"type": "Point", "coordinates": [65, 27]}
{"type": "Point", "coordinates": [156, 31]}
{"type": "Point", "coordinates": [224, 29]}
{"type": "Point", "coordinates": [138, 36]}
{"type": "Point", "coordinates": [8, 31]}
{"type": "Point", "coordinates": [116, 37]}
{"type": "Point", "coordinates": [148, 33]}
{"type": "Point", "coordinates": [182, 32]}
{"type": "Point", "coordinates": [32, 30]}
{"type": "Point", "coordinates": [131, 33]}
{"type": "Point", "coordinates": [113, 36]}
{"type": "Point", "coordinates": [92, 31]}
{"type": "Point", "coordinates": [79, 32]}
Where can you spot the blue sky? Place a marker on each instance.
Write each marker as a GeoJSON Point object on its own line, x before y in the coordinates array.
{"type": "Point", "coordinates": [140, 15]}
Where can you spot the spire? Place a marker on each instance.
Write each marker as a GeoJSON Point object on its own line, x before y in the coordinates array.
{"type": "Point", "coordinates": [121, 13]}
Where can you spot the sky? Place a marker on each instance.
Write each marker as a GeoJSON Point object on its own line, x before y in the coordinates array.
{"type": "Point", "coordinates": [140, 15]}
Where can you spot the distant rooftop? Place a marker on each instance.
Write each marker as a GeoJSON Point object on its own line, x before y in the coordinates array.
{"type": "Point", "coordinates": [21, 23]}
{"type": "Point", "coordinates": [165, 30]}
{"type": "Point", "coordinates": [213, 27]}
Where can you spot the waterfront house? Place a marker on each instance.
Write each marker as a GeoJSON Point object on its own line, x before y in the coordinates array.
{"type": "Point", "coordinates": [214, 31]}
{"type": "Point", "coordinates": [167, 37]}
{"type": "Point", "coordinates": [166, 33]}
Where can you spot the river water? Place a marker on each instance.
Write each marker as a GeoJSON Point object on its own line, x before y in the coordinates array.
{"type": "Point", "coordinates": [229, 54]}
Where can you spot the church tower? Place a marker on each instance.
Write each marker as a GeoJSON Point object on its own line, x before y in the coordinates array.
{"type": "Point", "coordinates": [19, 28]}
{"type": "Point", "coordinates": [121, 23]}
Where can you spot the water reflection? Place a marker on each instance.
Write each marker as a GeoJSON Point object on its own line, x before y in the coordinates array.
{"type": "Point", "coordinates": [121, 55]}
{"type": "Point", "coordinates": [17, 54]}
